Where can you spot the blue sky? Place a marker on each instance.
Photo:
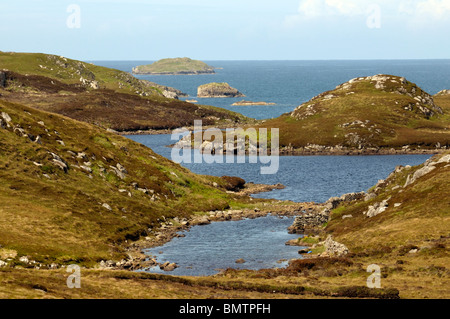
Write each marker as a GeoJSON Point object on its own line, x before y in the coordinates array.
{"type": "Point", "coordinates": [228, 30]}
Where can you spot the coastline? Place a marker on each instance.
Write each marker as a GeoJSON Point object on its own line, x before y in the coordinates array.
{"type": "Point", "coordinates": [313, 150]}
{"type": "Point", "coordinates": [169, 229]}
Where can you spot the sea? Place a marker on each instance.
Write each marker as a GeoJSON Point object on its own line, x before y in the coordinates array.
{"type": "Point", "coordinates": [291, 83]}
{"type": "Point", "coordinates": [205, 250]}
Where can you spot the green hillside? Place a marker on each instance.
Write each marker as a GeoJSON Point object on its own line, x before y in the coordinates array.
{"type": "Point", "coordinates": [73, 192]}
{"type": "Point", "coordinates": [106, 97]}
{"type": "Point", "coordinates": [378, 112]}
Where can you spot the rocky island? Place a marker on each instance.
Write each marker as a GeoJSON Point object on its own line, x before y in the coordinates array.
{"type": "Point", "coordinates": [217, 90]}
{"type": "Point", "coordinates": [176, 66]}
{"type": "Point", "coordinates": [250, 103]}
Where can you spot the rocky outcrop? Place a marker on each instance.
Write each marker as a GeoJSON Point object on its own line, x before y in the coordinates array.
{"type": "Point", "coordinates": [309, 222]}
{"type": "Point", "coordinates": [334, 202]}
{"type": "Point", "coordinates": [381, 206]}
{"type": "Point", "coordinates": [428, 167]}
{"type": "Point", "coordinates": [333, 248]}
{"type": "Point", "coordinates": [443, 92]}
{"type": "Point", "coordinates": [217, 90]}
{"type": "Point", "coordinates": [93, 84]}
{"type": "Point", "coordinates": [377, 208]}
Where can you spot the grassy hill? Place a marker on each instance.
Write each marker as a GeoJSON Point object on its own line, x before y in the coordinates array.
{"type": "Point", "coordinates": [98, 95]}
{"type": "Point", "coordinates": [381, 111]}
{"type": "Point", "coordinates": [408, 240]}
{"type": "Point", "coordinates": [65, 190]}
{"type": "Point", "coordinates": [417, 212]}
{"type": "Point", "coordinates": [174, 66]}
{"type": "Point", "coordinates": [73, 192]}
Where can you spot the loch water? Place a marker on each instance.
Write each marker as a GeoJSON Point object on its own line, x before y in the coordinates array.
{"type": "Point", "coordinates": [261, 242]}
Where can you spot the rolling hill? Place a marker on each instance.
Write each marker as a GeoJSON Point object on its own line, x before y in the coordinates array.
{"type": "Point", "coordinates": [71, 191]}
{"type": "Point", "coordinates": [371, 114]}
{"type": "Point", "coordinates": [105, 97]}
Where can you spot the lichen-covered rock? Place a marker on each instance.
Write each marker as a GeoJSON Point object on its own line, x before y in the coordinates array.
{"type": "Point", "coordinates": [377, 208]}
{"type": "Point", "coordinates": [333, 248]}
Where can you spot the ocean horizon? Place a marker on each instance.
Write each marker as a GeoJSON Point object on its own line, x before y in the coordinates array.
{"type": "Point", "coordinates": [289, 83]}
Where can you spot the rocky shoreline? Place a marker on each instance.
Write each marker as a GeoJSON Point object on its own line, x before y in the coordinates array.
{"type": "Point", "coordinates": [316, 150]}
{"type": "Point", "coordinates": [337, 150]}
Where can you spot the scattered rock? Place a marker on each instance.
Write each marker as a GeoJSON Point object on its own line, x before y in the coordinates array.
{"type": "Point", "coordinates": [38, 140]}
{"type": "Point", "coordinates": [203, 221]}
{"type": "Point", "coordinates": [240, 261]}
{"type": "Point", "coordinates": [334, 202]}
{"type": "Point", "coordinates": [418, 174]}
{"type": "Point", "coordinates": [61, 165]}
{"type": "Point", "coordinates": [105, 205]}
{"type": "Point", "coordinates": [86, 168]}
{"type": "Point", "coordinates": [6, 117]}
{"type": "Point", "coordinates": [377, 208]}
{"type": "Point", "coordinates": [333, 248]}
{"type": "Point", "coordinates": [119, 170]}
{"type": "Point", "coordinates": [24, 259]}
{"type": "Point", "coordinates": [167, 266]}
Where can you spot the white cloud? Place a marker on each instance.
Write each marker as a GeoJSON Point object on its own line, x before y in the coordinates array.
{"type": "Point", "coordinates": [316, 8]}
{"type": "Point", "coordinates": [436, 9]}
{"type": "Point", "coordinates": [414, 13]}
